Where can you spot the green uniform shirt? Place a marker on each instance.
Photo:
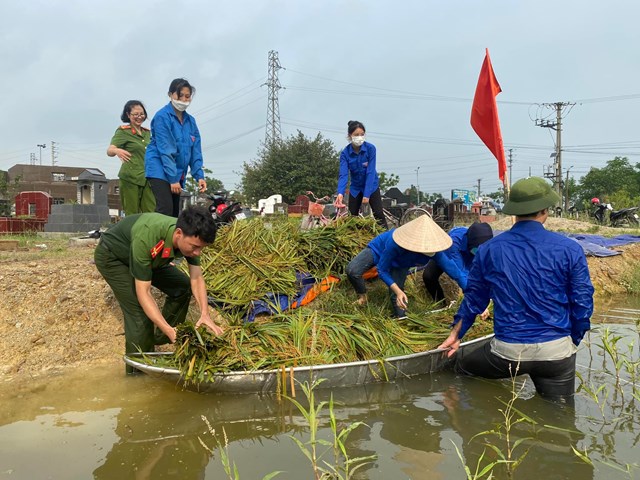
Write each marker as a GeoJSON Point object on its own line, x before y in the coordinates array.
{"type": "Point", "coordinates": [135, 142]}
{"type": "Point", "coordinates": [144, 242]}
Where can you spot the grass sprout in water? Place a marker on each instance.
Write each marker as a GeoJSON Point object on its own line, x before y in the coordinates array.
{"type": "Point", "coordinates": [315, 449]}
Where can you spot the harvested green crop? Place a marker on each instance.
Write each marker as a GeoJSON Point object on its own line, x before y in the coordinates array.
{"type": "Point", "coordinates": [251, 258]}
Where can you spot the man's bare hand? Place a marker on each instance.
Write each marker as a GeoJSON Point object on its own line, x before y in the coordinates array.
{"type": "Point", "coordinates": [211, 325]}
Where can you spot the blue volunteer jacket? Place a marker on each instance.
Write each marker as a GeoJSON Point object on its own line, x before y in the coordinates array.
{"type": "Point", "coordinates": [458, 255]}
{"type": "Point", "coordinates": [362, 167]}
{"type": "Point", "coordinates": [175, 147]}
{"type": "Point", "coordinates": [387, 254]}
{"type": "Point", "coordinates": [539, 282]}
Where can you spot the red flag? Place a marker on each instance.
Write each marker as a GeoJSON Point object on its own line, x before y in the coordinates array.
{"type": "Point", "coordinates": [484, 114]}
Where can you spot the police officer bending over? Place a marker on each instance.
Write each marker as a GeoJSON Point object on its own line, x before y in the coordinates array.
{"type": "Point", "coordinates": [137, 253]}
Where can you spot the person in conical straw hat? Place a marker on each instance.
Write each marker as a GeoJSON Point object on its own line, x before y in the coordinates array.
{"type": "Point", "coordinates": [393, 253]}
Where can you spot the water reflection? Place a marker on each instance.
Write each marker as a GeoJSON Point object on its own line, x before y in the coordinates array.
{"type": "Point", "coordinates": [100, 424]}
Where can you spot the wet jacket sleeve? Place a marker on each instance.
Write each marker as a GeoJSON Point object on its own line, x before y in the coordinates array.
{"type": "Point", "coordinates": [167, 147]}
{"type": "Point", "coordinates": [197, 162]}
{"type": "Point", "coordinates": [580, 298]}
{"type": "Point", "coordinates": [343, 176]}
{"type": "Point", "coordinates": [370, 185]}
{"type": "Point", "coordinates": [476, 298]}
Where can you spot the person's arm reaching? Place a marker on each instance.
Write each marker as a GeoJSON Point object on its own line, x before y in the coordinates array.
{"type": "Point", "coordinates": [199, 290]}
{"type": "Point", "coordinates": [151, 310]}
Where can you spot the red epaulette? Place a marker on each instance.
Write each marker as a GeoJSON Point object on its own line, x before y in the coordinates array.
{"type": "Point", "coordinates": [124, 127]}
{"type": "Point", "coordinates": [157, 249]}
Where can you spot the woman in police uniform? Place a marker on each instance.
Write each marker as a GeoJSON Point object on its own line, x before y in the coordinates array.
{"type": "Point", "coordinates": [129, 144]}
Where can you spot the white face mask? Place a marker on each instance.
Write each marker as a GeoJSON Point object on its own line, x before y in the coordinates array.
{"type": "Point", "coordinates": [357, 141]}
{"type": "Point", "coordinates": [180, 106]}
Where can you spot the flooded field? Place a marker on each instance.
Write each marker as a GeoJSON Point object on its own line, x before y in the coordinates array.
{"type": "Point", "coordinates": [100, 424]}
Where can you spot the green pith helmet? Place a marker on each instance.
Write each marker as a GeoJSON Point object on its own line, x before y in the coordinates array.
{"type": "Point", "coordinates": [530, 195]}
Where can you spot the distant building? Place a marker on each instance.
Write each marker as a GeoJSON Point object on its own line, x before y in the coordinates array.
{"type": "Point", "coordinates": [89, 212]}
{"type": "Point", "coordinates": [397, 197]}
{"type": "Point", "coordinates": [61, 183]}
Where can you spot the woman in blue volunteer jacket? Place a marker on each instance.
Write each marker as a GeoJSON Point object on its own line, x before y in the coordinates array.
{"type": "Point", "coordinates": [394, 252]}
{"type": "Point", "coordinates": [466, 241]}
{"type": "Point", "coordinates": [174, 149]}
{"type": "Point", "coordinates": [358, 160]}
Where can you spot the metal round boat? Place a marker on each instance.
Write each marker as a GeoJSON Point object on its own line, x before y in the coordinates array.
{"type": "Point", "coordinates": [334, 375]}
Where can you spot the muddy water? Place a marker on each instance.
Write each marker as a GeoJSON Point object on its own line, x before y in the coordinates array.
{"type": "Point", "coordinates": [101, 424]}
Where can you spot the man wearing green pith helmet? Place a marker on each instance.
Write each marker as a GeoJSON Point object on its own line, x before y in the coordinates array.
{"type": "Point", "coordinates": [542, 293]}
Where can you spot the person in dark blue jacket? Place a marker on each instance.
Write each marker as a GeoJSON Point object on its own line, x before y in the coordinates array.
{"type": "Point", "coordinates": [358, 161]}
{"type": "Point", "coordinates": [394, 252]}
{"type": "Point", "coordinates": [174, 149]}
{"type": "Point", "coordinates": [542, 294]}
{"type": "Point", "coordinates": [466, 241]}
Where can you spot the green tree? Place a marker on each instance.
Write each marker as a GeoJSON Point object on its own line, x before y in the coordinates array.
{"type": "Point", "coordinates": [8, 190]}
{"type": "Point", "coordinates": [291, 167]}
{"type": "Point", "coordinates": [213, 184]}
{"type": "Point", "coordinates": [498, 196]}
{"type": "Point", "coordinates": [616, 177]}
{"type": "Point", "coordinates": [425, 197]}
{"type": "Point", "coordinates": [386, 181]}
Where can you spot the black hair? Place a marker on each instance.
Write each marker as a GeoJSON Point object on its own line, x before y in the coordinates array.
{"type": "Point", "coordinates": [353, 125]}
{"type": "Point", "coordinates": [177, 84]}
{"type": "Point", "coordinates": [196, 221]}
{"type": "Point", "coordinates": [534, 214]}
{"type": "Point", "coordinates": [128, 107]}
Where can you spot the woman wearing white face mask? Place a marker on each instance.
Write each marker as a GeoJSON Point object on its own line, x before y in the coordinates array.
{"type": "Point", "coordinates": [358, 160]}
{"type": "Point", "coordinates": [174, 149]}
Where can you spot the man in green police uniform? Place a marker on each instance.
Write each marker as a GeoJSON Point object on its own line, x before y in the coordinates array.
{"type": "Point", "coordinates": [137, 253]}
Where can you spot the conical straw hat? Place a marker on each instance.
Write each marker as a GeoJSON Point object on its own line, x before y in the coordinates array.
{"type": "Point", "coordinates": [422, 235]}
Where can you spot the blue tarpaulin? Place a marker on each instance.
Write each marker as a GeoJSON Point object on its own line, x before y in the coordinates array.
{"type": "Point", "coordinates": [600, 246]}
{"type": "Point", "coordinates": [597, 245]}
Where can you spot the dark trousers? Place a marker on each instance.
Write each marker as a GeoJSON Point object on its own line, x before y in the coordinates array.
{"type": "Point", "coordinates": [139, 331]}
{"type": "Point", "coordinates": [167, 203]}
{"type": "Point", "coordinates": [375, 201]}
{"type": "Point", "coordinates": [362, 263]}
{"type": "Point", "coordinates": [553, 379]}
{"type": "Point", "coordinates": [431, 277]}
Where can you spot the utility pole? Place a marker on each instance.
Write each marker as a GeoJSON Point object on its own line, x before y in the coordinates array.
{"type": "Point", "coordinates": [418, 184]}
{"type": "Point", "coordinates": [566, 190]}
{"type": "Point", "coordinates": [510, 167]}
{"type": "Point", "coordinates": [556, 176]}
{"type": "Point", "coordinates": [273, 133]}
{"type": "Point", "coordinates": [479, 188]}
{"type": "Point", "coordinates": [40, 147]}
{"type": "Point", "coordinates": [54, 153]}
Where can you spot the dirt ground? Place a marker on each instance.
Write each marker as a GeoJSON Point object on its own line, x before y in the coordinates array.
{"type": "Point", "coordinates": [57, 312]}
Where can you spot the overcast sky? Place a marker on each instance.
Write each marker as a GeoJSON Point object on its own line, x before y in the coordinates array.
{"type": "Point", "coordinates": [407, 70]}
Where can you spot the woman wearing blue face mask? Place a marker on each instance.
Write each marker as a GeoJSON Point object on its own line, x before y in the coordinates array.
{"type": "Point", "coordinates": [174, 149]}
{"type": "Point", "coordinates": [358, 160]}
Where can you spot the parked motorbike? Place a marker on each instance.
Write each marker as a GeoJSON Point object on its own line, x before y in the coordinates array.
{"type": "Point", "coordinates": [617, 218]}
{"type": "Point", "coordinates": [223, 209]}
